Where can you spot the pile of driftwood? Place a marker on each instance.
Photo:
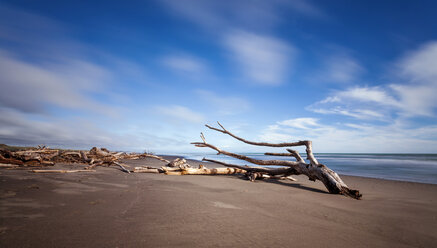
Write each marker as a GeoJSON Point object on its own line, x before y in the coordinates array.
{"type": "Point", "coordinates": [43, 157]}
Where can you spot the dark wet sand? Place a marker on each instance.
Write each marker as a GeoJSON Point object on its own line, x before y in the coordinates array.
{"type": "Point", "coordinates": [110, 208]}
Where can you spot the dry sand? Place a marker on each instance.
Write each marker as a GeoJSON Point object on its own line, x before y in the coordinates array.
{"type": "Point", "coordinates": [109, 208]}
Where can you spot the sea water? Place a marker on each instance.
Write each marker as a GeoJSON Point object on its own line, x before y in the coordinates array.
{"type": "Point", "coordinates": [404, 167]}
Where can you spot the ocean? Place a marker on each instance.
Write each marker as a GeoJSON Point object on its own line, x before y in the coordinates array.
{"type": "Point", "coordinates": [404, 167]}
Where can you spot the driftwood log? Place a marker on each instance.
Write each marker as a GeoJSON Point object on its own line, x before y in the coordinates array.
{"type": "Point", "coordinates": [256, 172]}
{"type": "Point", "coordinates": [311, 168]}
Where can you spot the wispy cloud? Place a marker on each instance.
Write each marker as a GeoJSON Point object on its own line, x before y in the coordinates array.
{"type": "Point", "coordinates": [420, 65]}
{"type": "Point", "coordinates": [415, 96]}
{"type": "Point", "coordinates": [263, 59]}
{"type": "Point", "coordinates": [357, 102]}
{"type": "Point", "coordinates": [225, 105]}
{"type": "Point", "coordinates": [17, 128]}
{"type": "Point", "coordinates": [356, 113]}
{"type": "Point", "coordinates": [336, 65]}
{"type": "Point", "coordinates": [273, 133]}
{"type": "Point", "coordinates": [340, 69]}
{"type": "Point", "coordinates": [180, 113]}
{"type": "Point", "coordinates": [418, 68]}
{"type": "Point", "coordinates": [301, 123]}
{"type": "Point", "coordinates": [394, 137]}
{"type": "Point", "coordinates": [219, 15]}
{"type": "Point", "coordinates": [244, 27]}
{"type": "Point", "coordinates": [29, 87]}
{"type": "Point", "coordinates": [185, 64]}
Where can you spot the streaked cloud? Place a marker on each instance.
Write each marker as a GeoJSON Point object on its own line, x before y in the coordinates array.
{"type": "Point", "coordinates": [263, 59]}
{"type": "Point", "coordinates": [29, 87]}
{"type": "Point", "coordinates": [348, 137]}
{"type": "Point", "coordinates": [340, 69]}
{"type": "Point", "coordinates": [260, 57]}
{"type": "Point", "coordinates": [418, 69]}
{"type": "Point", "coordinates": [414, 96]}
{"type": "Point", "coordinates": [18, 128]}
{"type": "Point", "coordinates": [357, 102]}
{"type": "Point", "coordinates": [420, 65]}
{"type": "Point", "coordinates": [246, 14]}
{"type": "Point", "coordinates": [185, 64]}
{"type": "Point", "coordinates": [301, 123]}
{"type": "Point", "coordinates": [180, 113]}
{"type": "Point", "coordinates": [225, 105]}
{"type": "Point", "coordinates": [356, 113]}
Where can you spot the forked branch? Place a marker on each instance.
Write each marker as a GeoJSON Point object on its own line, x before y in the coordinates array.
{"type": "Point", "coordinates": [223, 130]}
{"type": "Point", "coordinates": [306, 143]}
{"type": "Point", "coordinates": [246, 158]}
{"type": "Point", "coordinates": [292, 153]}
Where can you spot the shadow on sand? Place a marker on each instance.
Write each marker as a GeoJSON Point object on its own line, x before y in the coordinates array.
{"type": "Point", "coordinates": [288, 184]}
{"type": "Point", "coordinates": [297, 186]}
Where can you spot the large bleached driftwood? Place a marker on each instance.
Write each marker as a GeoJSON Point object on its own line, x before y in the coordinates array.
{"type": "Point", "coordinates": [205, 171]}
{"type": "Point", "coordinates": [313, 169]}
{"type": "Point", "coordinates": [253, 173]}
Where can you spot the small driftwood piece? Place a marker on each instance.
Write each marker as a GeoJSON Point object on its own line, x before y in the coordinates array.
{"type": "Point", "coordinates": [178, 162]}
{"type": "Point", "coordinates": [313, 169]}
{"type": "Point", "coordinates": [9, 166]}
{"type": "Point", "coordinates": [60, 171]}
{"type": "Point", "coordinates": [10, 160]}
{"type": "Point", "coordinates": [147, 169]}
{"type": "Point", "coordinates": [168, 169]}
{"type": "Point", "coordinates": [121, 167]}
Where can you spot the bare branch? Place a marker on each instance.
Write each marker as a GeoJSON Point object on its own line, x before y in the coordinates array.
{"type": "Point", "coordinates": [248, 159]}
{"type": "Point", "coordinates": [202, 137]}
{"type": "Point", "coordinates": [155, 157]}
{"type": "Point", "coordinates": [278, 154]}
{"type": "Point", "coordinates": [295, 154]}
{"type": "Point", "coordinates": [309, 151]}
{"type": "Point", "coordinates": [223, 130]}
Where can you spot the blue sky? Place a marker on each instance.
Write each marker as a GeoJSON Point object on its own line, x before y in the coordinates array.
{"type": "Point", "coordinates": [352, 76]}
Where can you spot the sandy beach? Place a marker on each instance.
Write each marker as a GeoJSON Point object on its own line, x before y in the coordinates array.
{"type": "Point", "coordinates": [109, 208]}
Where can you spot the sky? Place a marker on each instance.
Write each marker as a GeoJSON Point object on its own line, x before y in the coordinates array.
{"type": "Point", "coordinates": [352, 76]}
